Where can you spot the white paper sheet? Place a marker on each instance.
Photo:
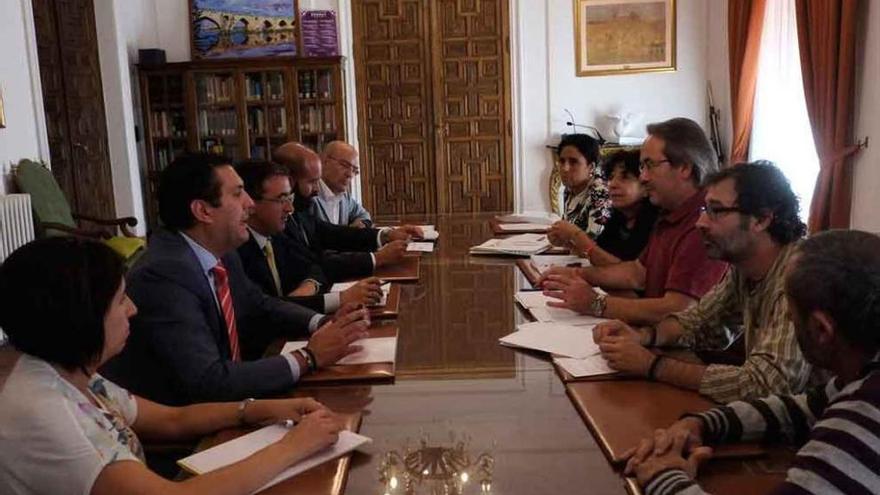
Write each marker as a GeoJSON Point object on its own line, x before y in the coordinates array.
{"type": "Point", "coordinates": [522, 245]}
{"type": "Point", "coordinates": [375, 350]}
{"type": "Point", "coordinates": [556, 338]}
{"type": "Point", "coordinates": [544, 261]}
{"type": "Point", "coordinates": [235, 450]}
{"type": "Point", "coordinates": [594, 365]}
{"type": "Point", "coordinates": [429, 233]}
{"type": "Point", "coordinates": [522, 227]}
{"type": "Point", "coordinates": [420, 247]}
{"type": "Point", "coordinates": [386, 288]}
{"type": "Point", "coordinates": [536, 303]}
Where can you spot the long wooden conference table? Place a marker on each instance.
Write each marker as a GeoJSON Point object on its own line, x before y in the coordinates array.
{"type": "Point", "coordinates": [466, 415]}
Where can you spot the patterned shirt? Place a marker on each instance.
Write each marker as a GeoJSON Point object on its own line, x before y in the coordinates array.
{"type": "Point", "coordinates": [589, 209]}
{"type": "Point", "coordinates": [53, 439]}
{"type": "Point", "coordinates": [774, 364]}
{"type": "Point", "coordinates": [835, 426]}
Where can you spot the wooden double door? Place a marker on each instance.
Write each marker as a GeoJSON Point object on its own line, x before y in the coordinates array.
{"type": "Point", "coordinates": [433, 92]}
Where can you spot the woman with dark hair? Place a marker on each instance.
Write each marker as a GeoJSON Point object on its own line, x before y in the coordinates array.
{"type": "Point", "coordinates": [65, 429]}
{"type": "Point", "coordinates": [586, 202]}
{"type": "Point", "coordinates": [632, 216]}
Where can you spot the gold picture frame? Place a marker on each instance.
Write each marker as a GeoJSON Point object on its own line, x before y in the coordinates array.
{"type": "Point", "coordinates": [2, 112]}
{"type": "Point", "coordinates": [624, 36]}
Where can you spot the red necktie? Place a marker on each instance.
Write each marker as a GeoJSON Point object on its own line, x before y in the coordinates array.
{"type": "Point", "coordinates": [221, 282]}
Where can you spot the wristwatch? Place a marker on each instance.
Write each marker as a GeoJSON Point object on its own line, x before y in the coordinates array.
{"type": "Point", "coordinates": [241, 408]}
{"type": "Point", "coordinates": [598, 305]}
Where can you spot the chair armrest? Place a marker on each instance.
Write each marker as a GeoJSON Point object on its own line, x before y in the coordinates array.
{"type": "Point", "coordinates": [92, 234]}
{"type": "Point", "coordinates": [123, 223]}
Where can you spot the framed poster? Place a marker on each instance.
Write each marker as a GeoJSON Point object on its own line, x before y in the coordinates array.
{"type": "Point", "coordinates": [243, 28]}
{"type": "Point", "coordinates": [624, 36]}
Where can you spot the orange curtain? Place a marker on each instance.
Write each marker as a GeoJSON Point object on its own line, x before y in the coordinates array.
{"type": "Point", "coordinates": [827, 38]}
{"type": "Point", "coordinates": [745, 22]}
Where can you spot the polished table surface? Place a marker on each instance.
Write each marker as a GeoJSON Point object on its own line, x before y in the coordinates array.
{"type": "Point", "coordinates": [455, 383]}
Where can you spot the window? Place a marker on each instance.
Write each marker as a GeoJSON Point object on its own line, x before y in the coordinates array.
{"type": "Point", "coordinates": [781, 128]}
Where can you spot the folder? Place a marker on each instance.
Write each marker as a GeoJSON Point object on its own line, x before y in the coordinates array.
{"type": "Point", "coordinates": [372, 373]}
{"type": "Point", "coordinates": [506, 228]}
{"type": "Point", "coordinates": [541, 217]}
{"type": "Point", "coordinates": [518, 245]}
{"type": "Point", "coordinates": [589, 368]}
{"type": "Point", "coordinates": [562, 340]}
{"type": "Point", "coordinates": [307, 478]}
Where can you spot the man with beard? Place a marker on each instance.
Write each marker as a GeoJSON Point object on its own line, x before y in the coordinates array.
{"type": "Point", "coordinates": [750, 220]}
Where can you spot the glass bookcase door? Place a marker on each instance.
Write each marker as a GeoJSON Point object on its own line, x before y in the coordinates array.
{"type": "Point", "coordinates": [217, 113]}
{"type": "Point", "coordinates": [317, 106]}
{"type": "Point", "coordinates": [267, 114]}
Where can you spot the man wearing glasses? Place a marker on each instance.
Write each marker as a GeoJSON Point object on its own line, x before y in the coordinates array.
{"type": "Point", "coordinates": [334, 203]}
{"type": "Point", "coordinates": [673, 271]}
{"type": "Point", "coordinates": [750, 219]}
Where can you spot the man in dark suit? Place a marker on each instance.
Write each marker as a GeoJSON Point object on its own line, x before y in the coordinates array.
{"type": "Point", "coordinates": [197, 308]}
{"type": "Point", "coordinates": [268, 257]}
{"type": "Point", "coordinates": [344, 252]}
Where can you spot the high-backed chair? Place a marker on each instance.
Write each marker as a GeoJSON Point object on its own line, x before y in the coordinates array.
{"type": "Point", "coordinates": [53, 216]}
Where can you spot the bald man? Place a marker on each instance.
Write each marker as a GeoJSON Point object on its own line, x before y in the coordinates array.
{"type": "Point", "coordinates": [344, 252]}
{"type": "Point", "coordinates": [334, 203]}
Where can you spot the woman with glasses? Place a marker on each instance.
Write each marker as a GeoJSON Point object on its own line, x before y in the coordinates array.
{"type": "Point", "coordinates": [66, 429]}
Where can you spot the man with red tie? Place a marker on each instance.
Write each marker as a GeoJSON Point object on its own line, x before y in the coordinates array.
{"type": "Point", "coordinates": [197, 310]}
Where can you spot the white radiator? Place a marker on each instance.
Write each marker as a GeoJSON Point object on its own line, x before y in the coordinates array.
{"type": "Point", "coordinates": [16, 223]}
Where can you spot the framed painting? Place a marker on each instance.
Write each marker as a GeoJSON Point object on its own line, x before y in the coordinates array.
{"type": "Point", "coordinates": [624, 36]}
{"type": "Point", "coordinates": [243, 28]}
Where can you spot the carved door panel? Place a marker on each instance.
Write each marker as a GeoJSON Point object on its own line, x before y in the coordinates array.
{"type": "Point", "coordinates": [433, 96]}
{"type": "Point", "coordinates": [472, 87]}
{"type": "Point", "coordinates": [393, 69]}
{"type": "Point", "coordinates": [74, 103]}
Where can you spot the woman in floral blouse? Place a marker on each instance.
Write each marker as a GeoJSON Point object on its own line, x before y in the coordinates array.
{"type": "Point", "coordinates": [65, 429]}
{"type": "Point", "coordinates": [587, 204]}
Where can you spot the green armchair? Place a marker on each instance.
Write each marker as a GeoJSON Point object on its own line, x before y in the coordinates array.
{"type": "Point", "coordinates": [53, 216]}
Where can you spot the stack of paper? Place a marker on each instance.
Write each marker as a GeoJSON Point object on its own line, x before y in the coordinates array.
{"type": "Point", "coordinates": [341, 286]}
{"type": "Point", "coordinates": [536, 303]}
{"type": "Point", "coordinates": [594, 365]}
{"type": "Point", "coordinates": [544, 261]}
{"type": "Point", "coordinates": [558, 339]}
{"type": "Point", "coordinates": [523, 227]}
{"type": "Point", "coordinates": [540, 217]}
{"type": "Point", "coordinates": [429, 233]}
{"type": "Point", "coordinates": [235, 450]}
{"type": "Point", "coordinates": [375, 350]}
{"type": "Point", "coordinates": [518, 245]}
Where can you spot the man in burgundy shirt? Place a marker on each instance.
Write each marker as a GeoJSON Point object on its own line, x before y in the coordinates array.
{"type": "Point", "coordinates": [673, 271]}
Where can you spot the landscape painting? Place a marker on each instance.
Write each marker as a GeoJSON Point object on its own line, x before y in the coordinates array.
{"type": "Point", "coordinates": [624, 36]}
{"type": "Point", "coordinates": [243, 28]}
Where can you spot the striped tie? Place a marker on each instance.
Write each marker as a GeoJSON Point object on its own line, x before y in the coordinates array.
{"type": "Point", "coordinates": [221, 282]}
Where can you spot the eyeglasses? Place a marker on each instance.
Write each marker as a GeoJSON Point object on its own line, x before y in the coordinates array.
{"type": "Point", "coordinates": [354, 169]}
{"type": "Point", "coordinates": [648, 164]}
{"type": "Point", "coordinates": [286, 199]}
{"type": "Point", "coordinates": [714, 212]}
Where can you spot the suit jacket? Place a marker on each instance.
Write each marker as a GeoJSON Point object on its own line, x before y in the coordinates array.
{"type": "Point", "coordinates": [349, 211]}
{"type": "Point", "coordinates": [293, 268]}
{"type": "Point", "coordinates": [178, 350]}
{"type": "Point", "coordinates": [342, 251]}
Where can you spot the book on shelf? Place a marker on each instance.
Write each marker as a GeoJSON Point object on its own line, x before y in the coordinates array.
{"type": "Point", "coordinates": [216, 89]}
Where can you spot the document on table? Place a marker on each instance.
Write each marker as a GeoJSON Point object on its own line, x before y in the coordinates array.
{"type": "Point", "coordinates": [540, 217]}
{"type": "Point", "coordinates": [523, 227]}
{"type": "Point", "coordinates": [520, 245]}
{"type": "Point", "coordinates": [536, 303]}
{"type": "Point", "coordinates": [375, 350]}
{"type": "Point", "coordinates": [235, 450]}
{"type": "Point", "coordinates": [341, 286]}
{"type": "Point", "coordinates": [555, 338]}
{"type": "Point", "coordinates": [544, 261]}
{"type": "Point", "coordinates": [420, 247]}
{"type": "Point", "coordinates": [594, 365]}
{"type": "Point", "coordinates": [429, 233]}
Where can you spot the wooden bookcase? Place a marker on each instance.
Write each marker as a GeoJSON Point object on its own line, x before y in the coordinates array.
{"type": "Point", "coordinates": [239, 108]}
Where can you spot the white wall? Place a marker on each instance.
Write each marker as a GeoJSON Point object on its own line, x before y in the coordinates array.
{"type": "Point", "coordinates": [24, 135]}
{"type": "Point", "coordinates": [544, 68]}
{"type": "Point", "coordinates": [866, 177]}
